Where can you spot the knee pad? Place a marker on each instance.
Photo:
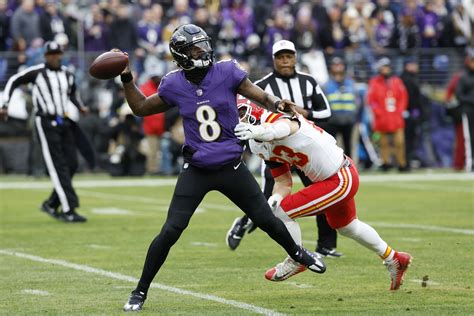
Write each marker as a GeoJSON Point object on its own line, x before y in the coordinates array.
{"type": "Point", "coordinates": [170, 233]}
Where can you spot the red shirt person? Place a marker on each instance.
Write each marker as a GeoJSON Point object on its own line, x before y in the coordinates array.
{"type": "Point", "coordinates": [388, 99]}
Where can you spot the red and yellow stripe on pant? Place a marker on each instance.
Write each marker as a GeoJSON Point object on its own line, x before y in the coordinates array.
{"type": "Point", "coordinates": [333, 196]}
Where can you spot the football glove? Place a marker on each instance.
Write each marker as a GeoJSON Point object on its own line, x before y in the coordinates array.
{"type": "Point", "coordinates": [274, 201]}
{"type": "Point", "coordinates": [245, 131]}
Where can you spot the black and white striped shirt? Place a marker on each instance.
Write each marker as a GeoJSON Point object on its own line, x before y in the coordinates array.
{"type": "Point", "coordinates": [302, 89]}
{"type": "Point", "coordinates": [53, 90]}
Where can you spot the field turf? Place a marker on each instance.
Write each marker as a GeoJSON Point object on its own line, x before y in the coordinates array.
{"type": "Point", "coordinates": [53, 268]}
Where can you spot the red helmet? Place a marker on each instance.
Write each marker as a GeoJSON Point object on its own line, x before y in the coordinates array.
{"type": "Point", "coordinates": [248, 111]}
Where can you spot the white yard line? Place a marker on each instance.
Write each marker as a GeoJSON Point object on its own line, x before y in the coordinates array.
{"type": "Point", "coordinates": [424, 227]}
{"type": "Point", "coordinates": [122, 277]}
{"type": "Point", "coordinates": [45, 184]}
{"type": "Point", "coordinates": [36, 292]}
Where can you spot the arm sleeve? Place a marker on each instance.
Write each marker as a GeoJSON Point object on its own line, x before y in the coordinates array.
{"type": "Point", "coordinates": [74, 96]}
{"type": "Point", "coordinates": [238, 74]}
{"type": "Point", "coordinates": [26, 76]}
{"type": "Point", "coordinates": [320, 108]}
{"type": "Point", "coordinates": [277, 168]}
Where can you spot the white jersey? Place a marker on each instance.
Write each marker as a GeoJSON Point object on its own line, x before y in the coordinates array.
{"type": "Point", "coordinates": [310, 149]}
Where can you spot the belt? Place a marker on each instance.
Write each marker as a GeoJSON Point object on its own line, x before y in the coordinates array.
{"type": "Point", "coordinates": [346, 163]}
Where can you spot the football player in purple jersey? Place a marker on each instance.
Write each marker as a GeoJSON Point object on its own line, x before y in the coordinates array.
{"type": "Point", "coordinates": [205, 93]}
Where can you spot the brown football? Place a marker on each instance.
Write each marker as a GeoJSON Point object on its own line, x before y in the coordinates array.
{"type": "Point", "coordinates": [108, 65]}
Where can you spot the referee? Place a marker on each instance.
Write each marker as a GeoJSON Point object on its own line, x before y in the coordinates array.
{"type": "Point", "coordinates": [301, 88]}
{"type": "Point", "coordinates": [52, 88]}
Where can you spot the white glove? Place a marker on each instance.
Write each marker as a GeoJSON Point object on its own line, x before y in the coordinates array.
{"type": "Point", "coordinates": [274, 201]}
{"type": "Point", "coordinates": [245, 131]}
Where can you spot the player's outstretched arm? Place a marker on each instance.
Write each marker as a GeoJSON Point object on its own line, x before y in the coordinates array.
{"type": "Point", "coordinates": [140, 105]}
{"type": "Point", "coordinates": [263, 99]}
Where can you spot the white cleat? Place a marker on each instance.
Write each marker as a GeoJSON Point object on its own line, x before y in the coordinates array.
{"type": "Point", "coordinates": [284, 270]}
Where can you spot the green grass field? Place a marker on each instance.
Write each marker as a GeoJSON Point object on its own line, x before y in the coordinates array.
{"type": "Point", "coordinates": [49, 267]}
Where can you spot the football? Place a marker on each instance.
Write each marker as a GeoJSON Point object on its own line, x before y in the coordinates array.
{"type": "Point", "coordinates": [108, 65]}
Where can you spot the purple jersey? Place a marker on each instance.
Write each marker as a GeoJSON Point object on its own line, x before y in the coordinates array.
{"type": "Point", "coordinates": [209, 112]}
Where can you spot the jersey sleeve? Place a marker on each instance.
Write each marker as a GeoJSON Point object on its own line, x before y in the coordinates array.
{"type": "Point", "coordinates": [238, 74]}
{"type": "Point", "coordinates": [26, 76]}
{"type": "Point", "coordinates": [165, 90]}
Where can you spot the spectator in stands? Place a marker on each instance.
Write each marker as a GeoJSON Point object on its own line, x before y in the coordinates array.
{"type": "Point", "coordinates": [414, 116]}
{"type": "Point", "coordinates": [207, 22]}
{"type": "Point", "coordinates": [381, 30]}
{"type": "Point", "coordinates": [123, 32]}
{"type": "Point", "coordinates": [406, 36]}
{"type": "Point", "coordinates": [4, 26]}
{"type": "Point", "coordinates": [25, 23]}
{"type": "Point", "coordinates": [463, 26]}
{"type": "Point", "coordinates": [279, 28]}
{"type": "Point", "coordinates": [305, 33]}
{"type": "Point", "coordinates": [336, 37]}
{"type": "Point", "coordinates": [465, 96]}
{"type": "Point", "coordinates": [181, 12]}
{"type": "Point", "coordinates": [53, 23]}
{"type": "Point", "coordinates": [429, 25]}
{"type": "Point", "coordinates": [153, 125]}
{"type": "Point", "coordinates": [341, 94]}
{"type": "Point", "coordinates": [388, 99]}
{"type": "Point", "coordinates": [242, 16]}
{"type": "Point", "coordinates": [149, 32]}
{"type": "Point", "coordinates": [95, 31]}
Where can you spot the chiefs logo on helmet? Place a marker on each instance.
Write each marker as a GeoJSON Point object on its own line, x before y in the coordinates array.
{"type": "Point", "coordinates": [248, 111]}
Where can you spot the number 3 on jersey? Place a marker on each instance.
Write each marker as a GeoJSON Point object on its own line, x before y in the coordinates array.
{"type": "Point", "coordinates": [209, 129]}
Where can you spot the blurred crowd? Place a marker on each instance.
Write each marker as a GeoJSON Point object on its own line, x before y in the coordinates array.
{"type": "Point", "coordinates": [419, 37]}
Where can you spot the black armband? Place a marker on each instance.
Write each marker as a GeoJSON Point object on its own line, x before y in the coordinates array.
{"type": "Point", "coordinates": [126, 77]}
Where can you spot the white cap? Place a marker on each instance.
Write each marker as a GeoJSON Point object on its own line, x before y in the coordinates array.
{"type": "Point", "coordinates": [283, 45]}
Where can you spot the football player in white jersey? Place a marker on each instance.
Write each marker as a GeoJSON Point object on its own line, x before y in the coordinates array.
{"type": "Point", "coordinates": [284, 140]}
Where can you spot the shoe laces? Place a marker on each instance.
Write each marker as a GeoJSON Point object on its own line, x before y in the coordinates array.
{"type": "Point", "coordinates": [287, 266]}
{"type": "Point", "coordinates": [392, 267]}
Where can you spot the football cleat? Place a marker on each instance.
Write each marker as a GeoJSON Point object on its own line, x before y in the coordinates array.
{"type": "Point", "coordinates": [135, 302]}
{"type": "Point", "coordinates": [328, 252]}
{"type": "Point", "coordinates": [48, 209]}
{"type": "Point", "coordinates": [73, 217]}
{"type": "Point", "coordinates": [237, 231]}
{"type": "Point", "coordinates": [397, 267]}
{"type": "Point", "coordinates": [284, 270]}
{"type": "Point", "coordinates": [312, 261]}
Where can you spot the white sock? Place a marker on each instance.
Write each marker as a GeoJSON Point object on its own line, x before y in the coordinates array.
{"type": "Point", "coordinates": [291, 225]}
{"type": "Point", "coordinates": [367, 237]}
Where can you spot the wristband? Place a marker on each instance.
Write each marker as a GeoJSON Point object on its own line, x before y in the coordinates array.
{"type": "Point", "coordinates": [275, 105]}
{"type": "Point", "coordinates": [126, 77]}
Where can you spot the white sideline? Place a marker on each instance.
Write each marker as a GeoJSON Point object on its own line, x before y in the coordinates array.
{"type": "Point", "coordinates": [368, 178]}
{"type": "Point", "coordinates": [122, 277]}
{"type": "Point", "coordinates": [424, 227]}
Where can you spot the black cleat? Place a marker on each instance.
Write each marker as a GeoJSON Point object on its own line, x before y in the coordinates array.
{"type": "Point", "coordinates": [310, 260]}
{"type": "Point", "coordinates": [237, 231]}
{"type": "Point", "coordinates": [328, 252]}
{"type": "Point", "coordinates": [73, 217]}
{"type": "Point", "coordinates": [135, 302]}
{"type": "Point", "coordinates": [48, 209]}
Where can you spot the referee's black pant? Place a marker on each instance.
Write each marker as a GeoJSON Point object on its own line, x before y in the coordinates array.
{"type": "Point", "coordinates": [60, 156]}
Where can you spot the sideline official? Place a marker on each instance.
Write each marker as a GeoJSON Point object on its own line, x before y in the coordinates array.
{"type": "Point", "coordinates": [53, 91]}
